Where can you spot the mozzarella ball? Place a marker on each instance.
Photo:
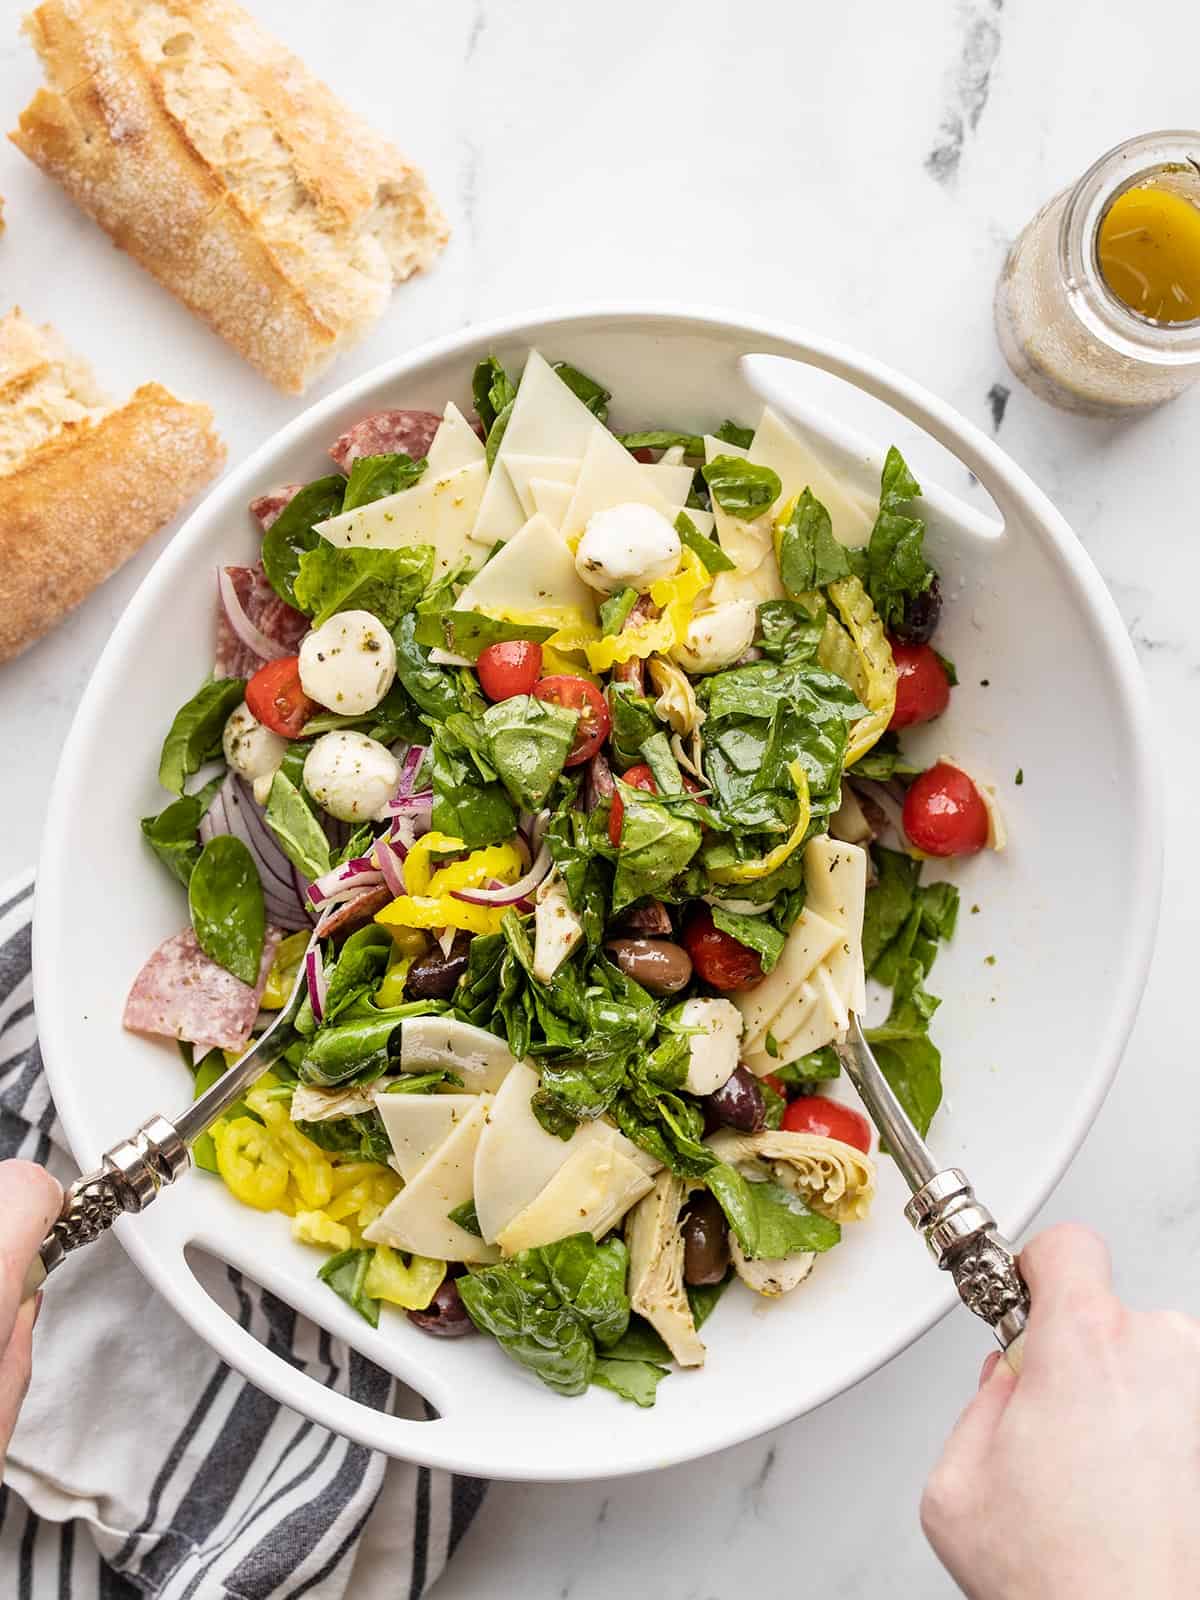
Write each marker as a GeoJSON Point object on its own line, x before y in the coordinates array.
{"type": "Point", "coordinates": [718, 637]}
{"type": "Point", "coordinates": [627, 547]}
{"type": "Point", "coordinates": [351, 776]}
{"type": "Point", "coordinates": [252, 750]}
{"type": "Point", "coordinates": [348, 663]}
{"type": "Point", "coordinates": [712, 1053]}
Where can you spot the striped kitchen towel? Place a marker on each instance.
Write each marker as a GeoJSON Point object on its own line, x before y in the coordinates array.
{"type": "Point", "coordinates": [143, 1465]}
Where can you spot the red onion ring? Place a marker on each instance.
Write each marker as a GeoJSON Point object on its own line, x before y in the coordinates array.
{"type": "Point", "coordinates": [234, 811]}
{"type": "Point", "coordinates": [253, 638]}
{"type": "Point", "coordinates": [507, 894]}
{"type": "Point", "coordinates": [314, 973]}
{"type": "Point", "coordinates": [390, 866]}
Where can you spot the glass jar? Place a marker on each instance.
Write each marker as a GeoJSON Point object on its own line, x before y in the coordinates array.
{"type": "Point", "coordinates": [1062, 330]}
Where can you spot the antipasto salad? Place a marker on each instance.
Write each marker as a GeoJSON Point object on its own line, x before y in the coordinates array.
{"type": "Point", "coordinates": [561, 765]}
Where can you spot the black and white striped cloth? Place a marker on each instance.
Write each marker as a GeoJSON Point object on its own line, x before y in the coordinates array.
{"type": "Point", "coordinates": [142, 1465]}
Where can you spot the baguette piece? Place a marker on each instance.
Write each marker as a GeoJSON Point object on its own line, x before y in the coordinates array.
{"type": "Point", "coordinates": [212, 155]}
{"type": "Point", "coordinates": [83, 485]}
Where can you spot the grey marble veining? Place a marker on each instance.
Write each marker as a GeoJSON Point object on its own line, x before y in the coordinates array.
{"type": "Point", "coordinates": [859, 170]}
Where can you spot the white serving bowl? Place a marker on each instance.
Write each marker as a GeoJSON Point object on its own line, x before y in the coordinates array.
{"type": "Point", "coordinates": [1030, 1044]}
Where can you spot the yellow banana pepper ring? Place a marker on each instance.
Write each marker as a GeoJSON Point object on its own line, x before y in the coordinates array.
{"type": "Point", "coordinates": [284, 970]}
{"type": "Point", "coordinates": [251, 1162]}
{"type": "Point", "coordinates": [748, 871]}
{"type": "Point", "coordinates": [412, 1286]}
{"type": "Point", "coordinates": [675, 596]}
{"type": "Point", "coordinates": [864, 659]}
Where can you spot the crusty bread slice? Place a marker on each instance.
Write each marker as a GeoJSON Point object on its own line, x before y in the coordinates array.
{"type": "Point", "coordinates": [82, 485]}
{"type": "Point", "coordinates": [212, 155]}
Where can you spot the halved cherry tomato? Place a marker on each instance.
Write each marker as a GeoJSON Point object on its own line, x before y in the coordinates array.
{"type": "Point", "coordinates": [812, 1113]}
{"type": "Point", "coordinates": [640, 777]}
{"type": "Point", "coordinates": [922, 687]}
{"type": "Point", "coordinates": [776, 1083]}
{"type": "Point", "coordinates": [718, 957]}
{"type": "Point", "coordinates": [275, 697]}
{"type": "Point", "coordinates": [944, 813]}
{"type": "Point", "coordinates": [577, 694]}
{"type": "Point", "coordinates": [509, 668]}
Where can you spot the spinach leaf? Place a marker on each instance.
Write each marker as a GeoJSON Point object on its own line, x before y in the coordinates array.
{"type": "Point", "coordinates": [756, 933]}
{"type": "Point", "coordinates": [885, 761]}
{"type": "Point", "coordinates": [425, 1082]}
{"type": "Point", "coordinates": [908, 1058]}
{"type": "Point", "coordinates": [594, 395]}
{"type": "Point", "coordinates": [495, 436]}
{"type": "Point", "coordinates": [469, 633]}
{"type": "Point", "coordinates": [363, 1137]}
{"type": "Point", "coordinates": [615, 610]}
{"type": "Point", "coordinates": [357, 1045]}
{"type": "Point", "coordinates": [894, 568]}
{"type": "Point", "coordinates": [361, 963]}
{"type": "Point", "coordinates": [709, 551]}
{"type": "Point", "coordinates": [889, 902]}
{"type": "Point", "coordinates": [631, 1380]}
{"type": "Point", "coordinates": [395, 719]}
{"type": "Point", "coordinates": [582, 869]}
{"type": "Point", "coordinates": [816, 1067]}
{"type": "Point", "coordinates": [809, 555]}
{"type": "Point", "coordinates": [656, 845]}
{"type": "Point", "coordinates": [172, 833]}
{"type": "Point", "coordinates": [640, 1342]}
{"type": "Point", "coordinates": [734, 433]}
{"type": "Point", "coordinates": [663, 439]}
{"type": "Point", "coordinates": [376, 477]}
{"type": "Point", "coordinates": [465, 806]}
{"type": "Point", "coordinates": [346, 1275]}
{"type": "Point", "coordinates": [228, 913]}
{"type": "Point", "coordinates": [466, 1217]}
{"type": "Point", "coordinates": [633, 722]}
{"type": "Point", "coordinates": [195, 733]}
{"type": "Point", "coordinates": [528, 741]}
{"type": "Point", "coordinates": [387, 583]}
{"type": "Point", "coordinates": [769, 1220]}
{"type": "Point", "coordinates": [291, 534]}
{"type": "Point", "coordinates": [788, 632]}
{"type": "Point", "coordinates": [433, 689]}
{"type": "Point", "coordinates": [492, 390]}
{"type": "Point", "coordinates": [740, 487]}
{"type": "Point", "coordinates": [301, 837]}
{"type": "Point", "coordinates": [703, 1298]}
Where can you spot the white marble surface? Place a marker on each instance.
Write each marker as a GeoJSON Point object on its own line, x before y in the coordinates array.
{"type": "Point", "coordinates": [778, 159]}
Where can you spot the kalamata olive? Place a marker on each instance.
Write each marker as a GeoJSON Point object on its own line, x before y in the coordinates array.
{"type": "Point", "coordinates": [921, 613]}
{"type": "Point", "coordinates": [660, 965]}
{"type": "Point", "coordinates": [434, 976]}
{"type": "Point", "coordinates": [739, 1102]}
{"type": "Point", "coordinates": [445, 1316]}
{"type": "Point", "coordinates": [705, 1241]}
{"type": "Point", "coordinates": [652, 919]}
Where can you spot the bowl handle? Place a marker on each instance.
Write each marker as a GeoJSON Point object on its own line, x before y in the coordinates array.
{"type": "Point", "coordinates": [969, 444]}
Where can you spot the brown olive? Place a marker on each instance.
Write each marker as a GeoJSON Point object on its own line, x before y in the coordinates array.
{"type": "Point", "coordinates": [739, 1102]}
{"type": "Point", "coordinates": [921, 614]}
{"type": "Point", "coordinates": [434, 976]}
{"type": "Point", "coordinates": [445, 1316]}
{"type": "Point", "coordinates": [660, 965]}
{"type": "Point", "coordinates": [705, 1241]}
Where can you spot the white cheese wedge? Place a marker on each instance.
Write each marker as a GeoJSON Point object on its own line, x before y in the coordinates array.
{"type": "Point", "coordinates": [703, 521]}
{"type": "Point", "coordinates": [823, 1023]}
{"type": "Point", "coordinates": [792, 1015]}
{"type": "Point", "coordinates": [419, 1124]}
{"type": "Point", "coordinates": [746, 543]}
{"type": "Point", "coordinates": [439, 511]}
{"type": "Point", "coordinates": [609, 476]}
{"type": "Point", "coordinates": [534, 572]}
{"type": "Point", "coordinates": [551, 499]}
{"type": "Point", "coordinates": [761, 584]}
{"type": "Point", "coordinates": [522, 470]}
{"type": "Point", "coordinates": [455, 444]}
{"type": "Point", "coordinates": [777, 446]}
{"type": "Point", "coordinates": [672, 482]}
{"type": "Point", "coordinates": [547, 419]}
{"type": "Point", "coordinates": [591, 1191]}
{"type": "Point", "coordinates": [810, 940]}
{"type": "Point", "coordinates": [478, 1057]}
{"type": "Point", "coordinates": [418, 1218]}
{"type": "Point", "coordinates": [835, 881]}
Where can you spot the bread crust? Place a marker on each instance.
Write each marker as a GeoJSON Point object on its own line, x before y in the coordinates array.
{"type": "Point", "coordinates": [82, 503]}
{"type": "Point", "coordinates": [286, 260]}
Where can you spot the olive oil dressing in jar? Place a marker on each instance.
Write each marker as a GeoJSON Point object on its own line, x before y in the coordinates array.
{"type": "Point", "coordinates": [1098, 305]}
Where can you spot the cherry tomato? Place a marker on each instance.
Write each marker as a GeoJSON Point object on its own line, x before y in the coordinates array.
{"type": "Point", "coordinates": [718, 957]}
{"type": "Point", "coordinates": [577, 694]}
{"type": "Point", "coordinates": [944, 813]}
{"type": "Point", "coordinates": [275, 697]}
{"type": "Point", "coordinates": [640, 777]}
{"type": "Point", "coordinates": [777, 1083]}
{"type": "Point", "coordinates": [922, 687]}
{"type": "Point", "coordinates": [513, 667]}
{"type": "Point", "coordinates": [812, 1113]}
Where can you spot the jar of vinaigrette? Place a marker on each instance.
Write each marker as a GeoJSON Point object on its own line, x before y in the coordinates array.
{"type": "Point", "coordinates": [1098, 305]}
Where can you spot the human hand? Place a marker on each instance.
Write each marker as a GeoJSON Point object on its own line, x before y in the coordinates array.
{"type": "Point", "coordinates": [1082, 1476]}
{"type": "Point", "coordinates": [29, 1202]}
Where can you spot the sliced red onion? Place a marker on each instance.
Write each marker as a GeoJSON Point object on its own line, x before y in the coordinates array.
{"type": "Point", "coordinates": [314, 972]}
{"type": "Point", "coordinates": [353, 875]}
{"type": "Point", "coordinates": [390, 866]}
{"type": "Point", "coordinates": [507, 894]}
{"type": "Point", "coordinates": [410, 766]}
{"type": "Point", "coordinates": [253, 638]}
{"type": "Point", "coordinates": [235, 811]}
{"type": "Point", "coordinates": [887, 802]}
{"type": "Point", "coordinates": [600, 785]}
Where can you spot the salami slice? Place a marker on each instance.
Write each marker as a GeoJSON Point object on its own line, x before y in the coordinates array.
{"type": "Point", "coordinates": [183, 994]}
{"type": "Point", "coordinates": [268, 506]}
{"type": "Point", "coordinates": [385, 433]}
{"type": "Point", "coordinates": [353, 914]}
{"type": "Point", "coordinates": [267, 612]}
